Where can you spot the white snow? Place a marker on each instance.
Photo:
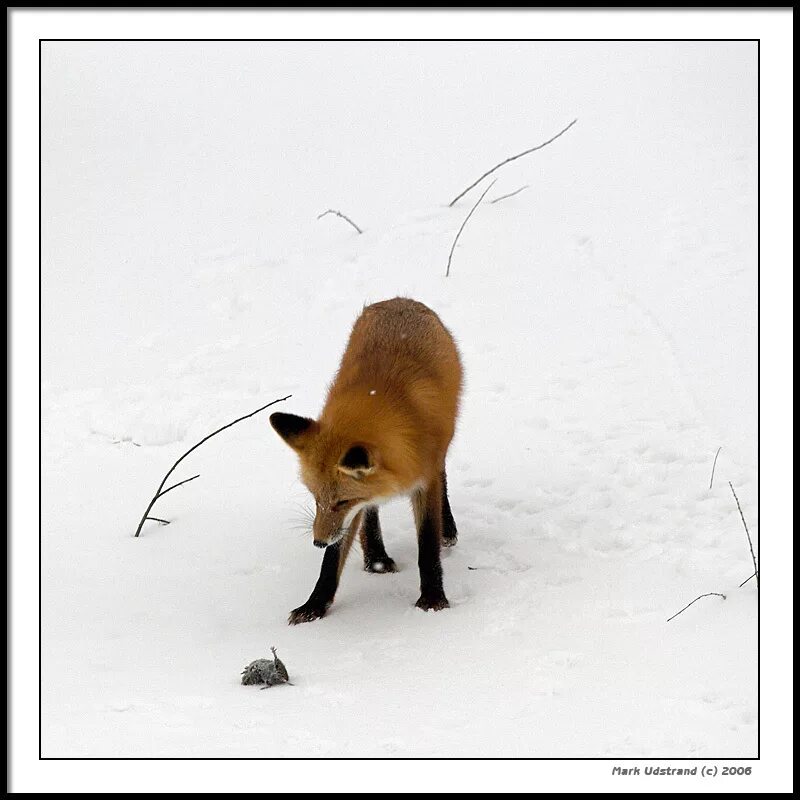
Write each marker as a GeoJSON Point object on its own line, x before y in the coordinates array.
{"type": "Point", "coordinates": [607, 321]}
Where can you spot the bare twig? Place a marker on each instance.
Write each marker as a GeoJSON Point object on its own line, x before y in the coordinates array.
{"type": "Point", "coordinates": [713, 467]}
{"type": "Point", "coordinates": [707, 594]}
{"type": "Point", "coordinates": [455, 241]}
{"type": "Point", "coordinates": [749, 540]}
{"type": "Point", "coordinates": [160, 492]}
{"type": "Point", "coordinates": [339, 214]}
{"type": "Point", "coordinates": [158, 519]}
{"type": "Point", "coordinates": [746, 580]}
{"type": "Point", "coordinates": [176, 485]}
{"type": "Point", "coordinates": [510, 194]}
{"type": "Point", "coordinates": [512, 158]}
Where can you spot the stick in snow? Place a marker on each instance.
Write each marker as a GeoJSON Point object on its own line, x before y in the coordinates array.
{"type": "Point", "coordinates": [749, 540]}
{"type": "Point", "coordinates": [512, 158]}
{"type": "Point", "coordinates": [707, 594]}
{"type": "Point", "coordinates": [510, 194]}
{"type": "Point", "coordinates": [160, 492]}
{"type": "Point", "coordinates": [713, 467]}
{"type": "Point", "coordinates": [339, 214]}
{"type": "Point", "coordinates": [455, 241]}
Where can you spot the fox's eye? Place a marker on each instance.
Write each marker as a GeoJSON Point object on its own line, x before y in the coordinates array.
{"type": "Point", "coordinates": [340, 505]}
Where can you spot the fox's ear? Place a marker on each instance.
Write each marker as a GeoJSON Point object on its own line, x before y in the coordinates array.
{"type": "Point", "coordinates": [357, 462]}
{"type": "Point", "coordinates": [294, 430]}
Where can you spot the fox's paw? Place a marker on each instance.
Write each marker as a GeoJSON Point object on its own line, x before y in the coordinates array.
{"type": "Point", "coordinates": [450, 541]}
{"type": "Point", "coordinates": [432, 602]}
{"type": "Point", "coordinates": [308, 612]}
{"type": "Point", "coordinates": [383, 564]}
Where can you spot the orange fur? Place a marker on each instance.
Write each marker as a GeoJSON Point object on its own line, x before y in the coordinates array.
{"type": "Point", "coordinates": [396, 395]}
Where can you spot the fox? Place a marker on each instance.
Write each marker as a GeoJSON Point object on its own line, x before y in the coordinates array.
{"type": "Point", "coordinates": [383, 432]}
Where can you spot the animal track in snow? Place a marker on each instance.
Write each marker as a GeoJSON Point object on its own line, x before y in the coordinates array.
{"type": "Point", "coordinates": [613, 544]}
{"type": "Point", "coordinates": [482, 483]}
{"type": "Point", "coordinates": [506, 503]}
{"type": "Point", "coordinates": [561, 658]}
{"type": "Point", "coordinates": [541, 423]}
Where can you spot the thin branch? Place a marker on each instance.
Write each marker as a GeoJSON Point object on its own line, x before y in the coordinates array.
{"type": "Point", "coordinates": [158, 519]}
{"type": "Point", "coordinates": [747, 579]}
{"type": "Point", "coordinates": [707, 594]}
{"type": "Point", "coordinates": [714, 466]}
{"type": "Point", "coordinates": [343, 216]}
{"type": "Point", "coordinates": [160, 493]}
{"type": "Point", "coordinates": [512, 158]}
{"type": "Point", "coordinates": [749, 540]}
{"type": "Point", "coordinates": [510, 194]}
{"type": "Point", "coordinates": [455, 241]}
{"type": "Point", "coordinates": [176, 485]}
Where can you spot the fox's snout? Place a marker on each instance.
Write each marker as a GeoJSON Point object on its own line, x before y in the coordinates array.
{"type": "Point", "coordinates": [326, 530]}
{"type": "Point", "coordinates": [322, 541]}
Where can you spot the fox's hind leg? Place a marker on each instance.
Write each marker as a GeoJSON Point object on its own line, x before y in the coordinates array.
{"type": "Point", "coordinates": [375, 557]}
{"type": "Point", "coordinates": [328, 582]}
{"type": "Point", "coordinates": [449, 530]}
{"type": "Point", "coordinates": [427, 504]}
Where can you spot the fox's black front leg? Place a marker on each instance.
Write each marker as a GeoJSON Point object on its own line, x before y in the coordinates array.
{"type": "Point", "coordinates": [325, 590]}
{"type": "Point", "coordinates": [375, 557]}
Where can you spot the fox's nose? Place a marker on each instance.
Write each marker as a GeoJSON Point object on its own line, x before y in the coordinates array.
{"type": "Point", "coordinates": [320, 543]}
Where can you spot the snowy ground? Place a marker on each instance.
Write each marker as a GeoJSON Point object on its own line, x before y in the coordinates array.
{"type": "Point", "coordinates": [607, 320]}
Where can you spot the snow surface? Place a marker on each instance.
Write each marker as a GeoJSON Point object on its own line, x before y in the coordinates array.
{"type": "Point", "coordinates": [607, 320]}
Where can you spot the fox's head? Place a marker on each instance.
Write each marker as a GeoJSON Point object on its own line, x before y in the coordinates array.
{"type": "Point", "coordinates": [342, 475]}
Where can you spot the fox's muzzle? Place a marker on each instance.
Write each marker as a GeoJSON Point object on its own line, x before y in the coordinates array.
{"type": "Point", "coordinates": [324, 541]}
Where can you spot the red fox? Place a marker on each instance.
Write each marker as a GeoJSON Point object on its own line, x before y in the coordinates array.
{"type": "Point", "coordinates": [384, 431]}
